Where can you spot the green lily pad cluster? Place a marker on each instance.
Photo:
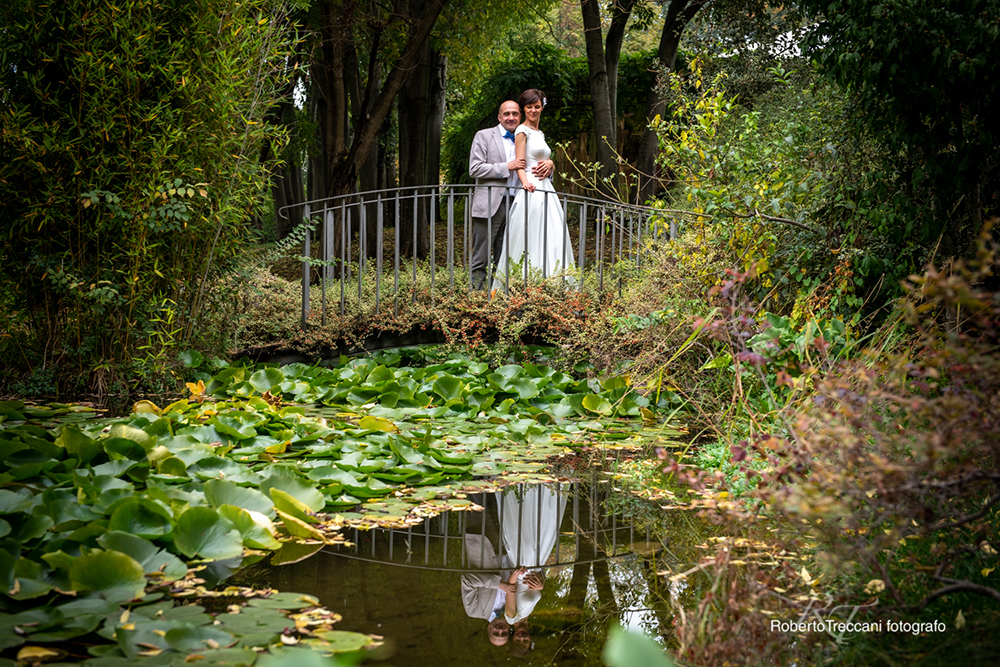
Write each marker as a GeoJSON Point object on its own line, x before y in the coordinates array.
{"type": "Point", "coordinates": [154, 631]}
{"type": "Point", "coordinates": [456, 385]}
{"type": "Point", "coordinates": [100, 517]}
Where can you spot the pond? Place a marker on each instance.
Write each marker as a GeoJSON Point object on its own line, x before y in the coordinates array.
{"type": "Point", "coordinates": [431, 589]}
{"type": "Point", "coordinates": [301, 508]}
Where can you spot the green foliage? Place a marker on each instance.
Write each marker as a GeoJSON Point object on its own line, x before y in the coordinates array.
{"type": "Point", "coordinates": [566, 84]}
{"type": "Point", "coordinates": [923, 80]}
{"type": "Point", "coordinates": [763, 179]}
{"type": "Point", "coordinates": [628, 649]}
{"type": "Point", "coordinates": [129, 166]}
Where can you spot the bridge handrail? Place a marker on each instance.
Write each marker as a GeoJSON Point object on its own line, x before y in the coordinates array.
{"type": "Point", "coordinates": [608, 233]}
{"type": "Point", "coordinates": [469, 188]}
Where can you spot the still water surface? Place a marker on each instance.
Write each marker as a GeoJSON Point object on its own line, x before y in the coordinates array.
{"type": "Point", "coordinates": [431, 590]}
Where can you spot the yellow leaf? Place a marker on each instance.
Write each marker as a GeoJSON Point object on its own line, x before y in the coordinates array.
{"type": "Point", "coordinates": [875, 586]}
{"type": "Point", "coordinates": [959, 620]}
{"type": "Point", "coordinates": [146, 406]}
{"type": "Point", "coordinates": [38, 653]}
{"type": "Point", "coordinates": [806, 577]}
{"type": "Point", "coordinates": [123, 619]}
{"type": "Point", "coordinates": [986, 571]}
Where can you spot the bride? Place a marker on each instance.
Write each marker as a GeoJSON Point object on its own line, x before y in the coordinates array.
{"type": "Point", "coordinates": [536, 228]}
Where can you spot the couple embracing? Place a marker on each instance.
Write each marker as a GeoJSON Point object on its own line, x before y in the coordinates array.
{"type": "Point", "coordinates": [516, 214]}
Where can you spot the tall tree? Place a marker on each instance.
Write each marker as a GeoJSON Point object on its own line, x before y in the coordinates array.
{"type": "Point", "coordinates": [345, 148]}
{"type": "Point", "coordinates": [602, 62]}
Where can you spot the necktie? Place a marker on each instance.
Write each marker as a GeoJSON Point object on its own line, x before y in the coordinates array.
{"type": "Point", "coordinates": [508, 135]}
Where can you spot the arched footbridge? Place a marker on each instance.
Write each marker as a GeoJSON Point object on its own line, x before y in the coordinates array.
{"type": "Point", "coordinates": [379, 250]}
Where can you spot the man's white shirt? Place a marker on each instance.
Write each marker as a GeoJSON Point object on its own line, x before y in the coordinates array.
{"type": "Point", "coordinates": [508, 144]}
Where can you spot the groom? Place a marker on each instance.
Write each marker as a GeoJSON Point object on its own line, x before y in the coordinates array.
{"type": "Point", "coordinates": [494, 166]}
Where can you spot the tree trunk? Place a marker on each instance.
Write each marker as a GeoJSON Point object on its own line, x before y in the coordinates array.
{"type": "Point", "coordinates": [604, 121]}
{"type": "Point", "coordinates": [421, 119]}
{"type": "Point", "coordinates": [613, 50]}
{"type": "Point", "coordinates": [349, 150]}
{"type": "Point", "coordinates": [679, 14]}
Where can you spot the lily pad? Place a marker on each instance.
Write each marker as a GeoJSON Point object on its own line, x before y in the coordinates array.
{"type": "Point", "coordinates": [108, 571]}
{"type": "Point", "coordinates": [202, 531]}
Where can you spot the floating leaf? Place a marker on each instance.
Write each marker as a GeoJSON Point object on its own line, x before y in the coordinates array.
{"type": "Point", "coordinates": [202, 531]}
{"type": "Point", "coordinates": [266, 379]}
{"type": "Point", "coordinates": [293, 552]}
{"type": "Point", "coordinates": [151, 558]}
{"type": "Point", "coordinates": [142, 517]}
{"type": "Point", "coordinates": [340, 641]}
{"type": "Point", "coordinates": [198, 638]}
{"type": "Point", "coordinates": [370, 423]}
{"type": "Point", "coordinates": [298, 528]}
{"type": "Point", "coordinates": [223, 492]}
{"type": "Point", "coordinates": [292, 506]}
{"type": "Point", "coordinates": [296, 487]}
{"type": "Point", "coordinates": [256, 529]}
{"type": "Point", "coordinates": [285, 600]}
{"type": "Point", "coordinates": [104, 571]}
{"type": "Point", "coordinates": [598, 404]}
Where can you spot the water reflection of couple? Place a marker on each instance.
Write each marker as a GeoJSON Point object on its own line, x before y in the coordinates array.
{"type": "Point", "coordinates": [525, 526]}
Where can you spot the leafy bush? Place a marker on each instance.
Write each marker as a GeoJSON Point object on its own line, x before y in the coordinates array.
{"type": "Point", "coordinates": [129, 166]}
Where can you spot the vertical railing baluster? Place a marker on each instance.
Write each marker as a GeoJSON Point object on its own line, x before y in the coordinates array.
{"type": "Point", "coordinates": [545, 236]}
{"type": "Point", "coordinates": [576, 519]}
{"type": "Point", "coordinates": [362, 228]}
{"type": "Point", "coordinates": [467, 246]}
{"type": "Point", "coordinates": [451, 239]}
{"type": "Point", "coordinates": [566, 241]}
{"type": "Point", "coordinates": [524, 250]}
{"type": "Point", "coordinates": [325, 269]}
{"type": "Point", "coordinates": [520, 525]}
{"type": "Point", "coordinates": [343, 242]}
{"type": "Point", "coordinates": [306, 270]}
{"type": "Point", "coordinates": [378, 252]}
{"type": "Point", "coordinates": [482, 542]}
{"type": "Point", "coordinates": [583, 242]}
{"type": "Point", "coordinates": [538, 526]}
{"type": "Point", "coordinates": [433, 248]}
{"type": "Point", "coordinates": [558, 499]}
{"type": "Point", "coordinates": [395, 275]}
{"type": "Point", "coordinates": [416, 196]}
{"type": "Point", "coordinates": [600, 223]}
{"type": "Point", "coordinates": [446, 519]}
{"type": "Point", "coordinates": [489, 244]}
{"type": "Point", "coordinates": [506, 242]}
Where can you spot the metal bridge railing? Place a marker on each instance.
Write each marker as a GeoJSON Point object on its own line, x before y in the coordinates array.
{"type": "Point", "coordinates": [386, 245]}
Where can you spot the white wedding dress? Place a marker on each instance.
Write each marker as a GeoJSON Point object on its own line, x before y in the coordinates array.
{"type": "Point", "coordinates": [530, 528]}
{"type": "Point", "coordinates": [536, 227]}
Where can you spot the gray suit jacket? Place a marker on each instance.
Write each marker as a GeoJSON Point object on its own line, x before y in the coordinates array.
{"type": "Point", "coordinates": [479, 589]}
{"type": "Point", "coordinates": [488, 165]}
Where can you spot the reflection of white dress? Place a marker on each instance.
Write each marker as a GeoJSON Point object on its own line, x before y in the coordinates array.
{"type": "Point", "coordinates": [536, 226]}
{"type": "Point", "coordinates": [530, 527]}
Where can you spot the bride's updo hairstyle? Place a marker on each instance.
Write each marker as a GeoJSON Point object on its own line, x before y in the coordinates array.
{"type": "Point", "coordinates": [530, 96]}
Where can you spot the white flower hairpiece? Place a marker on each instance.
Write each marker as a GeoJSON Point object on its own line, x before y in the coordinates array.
{"type": "Point", "coordinates": [544, 101]}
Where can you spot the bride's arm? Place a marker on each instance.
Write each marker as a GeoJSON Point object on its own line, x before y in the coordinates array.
{"type": "Point", "coordinates": [520, 149]}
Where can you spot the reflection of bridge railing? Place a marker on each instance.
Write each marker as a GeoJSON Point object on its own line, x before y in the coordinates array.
{"type": "Point", "coordinates": [372, 244]}
{"type": "Point", "coordinates": [587, 533]}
